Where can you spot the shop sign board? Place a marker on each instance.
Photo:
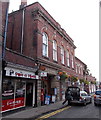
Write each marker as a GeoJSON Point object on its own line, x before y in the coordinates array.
{"type": "Point", "coordinates": [47, 100]}
{"type": "Point", "coordinates": [53, 98]}
{"type": "Point", "coordinates": [11, 103]}
{"type": "Point", "coordinates": [20, 73]}
{"type": "Point", "coordinates": [43, 74]}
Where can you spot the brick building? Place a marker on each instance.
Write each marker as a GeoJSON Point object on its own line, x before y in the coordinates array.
{"type": "Point", "coordinates": [92, 83]}
{"type": "Point", "coordinates": [40, 59]}
{"type": "Point", "coordinates": [80, 69]}
{"type": "Point", "coordinates": [35, 38]}
{"type": "Point", "coordinates": [4, 5]}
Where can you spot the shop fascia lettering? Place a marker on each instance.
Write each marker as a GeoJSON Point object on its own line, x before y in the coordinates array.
{"type": "Point", "coordinates": [43, 74]}
{"type": "Point", "coordinates": [20, 73]}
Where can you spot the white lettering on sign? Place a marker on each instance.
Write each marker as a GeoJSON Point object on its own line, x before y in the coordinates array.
{"type": "Point", "coordinates": [43, 74]}
{"type": "Point", "coordinates": [20, 73]}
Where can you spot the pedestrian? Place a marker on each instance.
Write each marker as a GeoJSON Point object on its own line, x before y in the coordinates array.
{"type": "Point", "coordinates": [68, 97]}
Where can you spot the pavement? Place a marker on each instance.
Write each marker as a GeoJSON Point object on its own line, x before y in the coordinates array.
{"type": "Point", "coordinates": [34, 112]}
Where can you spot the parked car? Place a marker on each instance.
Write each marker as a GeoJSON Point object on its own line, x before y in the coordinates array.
{"type": "Point", "coordinates": [80, 97]}
{"type": "Point", "coordinates": [97, 97]}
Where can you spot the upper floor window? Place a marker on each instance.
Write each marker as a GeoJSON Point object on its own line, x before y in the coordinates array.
{"type": "Point", "coordinates": [81, 70]}
{"type": "Point", "coordinates": [76, 68]}
{"type": "Point", "coordinates": [45, 45]}
{"type": "Point", "coordinates": [67, 58]}
{"type": "Point", "coordinates": [54, 50]}
{"type": "Point", "coordinates": [62, 55]}
{"type": "Point", "coordinates": [72, 59]}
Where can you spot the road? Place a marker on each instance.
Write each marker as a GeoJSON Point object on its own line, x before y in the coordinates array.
{"type": "Point", "coordinates": [76, 111]}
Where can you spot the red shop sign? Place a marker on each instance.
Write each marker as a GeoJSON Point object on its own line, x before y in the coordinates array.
{"type": "Point", "coordinates": [11, 104]}
{"type": "Point", "coordinates": [7, 104]}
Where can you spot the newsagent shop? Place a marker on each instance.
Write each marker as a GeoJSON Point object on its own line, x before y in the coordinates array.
{"type": "Point", "coordinates": [18, 89]}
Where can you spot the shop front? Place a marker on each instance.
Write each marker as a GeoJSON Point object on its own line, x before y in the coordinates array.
{"type": "Point", "coordinates": [18, 89]}
{"type": "Point", "coordinates": [50, 86]}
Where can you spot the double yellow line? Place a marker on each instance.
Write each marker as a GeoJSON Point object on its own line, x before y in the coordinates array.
{"type": "Point", "coordinates": [53, 113]}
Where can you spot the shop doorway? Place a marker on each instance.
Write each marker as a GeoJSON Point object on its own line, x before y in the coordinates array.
{"type": "Point", "coordinates": [29, 94]}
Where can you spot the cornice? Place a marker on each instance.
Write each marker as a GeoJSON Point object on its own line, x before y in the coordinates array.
{"type": "Point", "coordinates": [48, 63]}
{"type": "Point", "coordinates": [37, 13]}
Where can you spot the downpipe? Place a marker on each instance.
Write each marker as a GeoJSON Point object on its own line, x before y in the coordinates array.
{"type": "Point", "coordinates": [22, 33]}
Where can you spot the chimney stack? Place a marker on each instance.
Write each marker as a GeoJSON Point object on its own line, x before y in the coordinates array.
{"type": "Point", "coordinates": [23, 4]}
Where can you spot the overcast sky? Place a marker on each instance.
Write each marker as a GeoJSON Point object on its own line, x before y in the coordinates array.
{"type": "Point", "coordinates": [80, 19]}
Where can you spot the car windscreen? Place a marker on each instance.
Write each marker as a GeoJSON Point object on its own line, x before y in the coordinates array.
{"type": "Point", "coordinates": [83, 94]}
{"type": "Point", "coordinates": [98, 92]}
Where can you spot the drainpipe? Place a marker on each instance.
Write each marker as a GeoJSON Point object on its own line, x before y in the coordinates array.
{"type": "Point", "coordinates": [5, 34]}
{"type": "Point", "coordinates": [22, 6]}
{"type": "Point", "coordinates": [6, 7]}
{"type": "Point", "coordinates": [22, 29]}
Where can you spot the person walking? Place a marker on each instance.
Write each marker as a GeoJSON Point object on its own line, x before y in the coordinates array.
{"type": "Point", "coordinates": [68, 97]}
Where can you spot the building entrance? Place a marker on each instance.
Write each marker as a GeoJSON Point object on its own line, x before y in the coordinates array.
{"type": "Point", "coordinates": [29, 94]}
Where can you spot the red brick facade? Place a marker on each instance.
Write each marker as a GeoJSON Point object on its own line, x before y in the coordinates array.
{"type": "Point", "coordinates": [25, 47]}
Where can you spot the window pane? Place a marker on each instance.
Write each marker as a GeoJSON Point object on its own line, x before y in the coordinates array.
{"type": "Point", "coordinates": [8, 95]}
{"type": "Point", "coordinates": [62, 55]}
{"type": "Point", "coordinates": [45, 38]}
{"type": "Point", "coordinates": [67, 56]}
{"type": "Point", "coordinates": [20, 89]}
{"type": "Point", "coordinates": [72, 62]}
{"type": "Point", "coordinates": [8, 89]}
{"type": "Point", "coordinates": [20, 93]}
{"type": "Point", "coordinates": [45, 45]}
{"type": "Point", "coordinates": [45, 51]}
{"type": "Point", "coordinates": [54, 45]}
{"type": "Point", "coordinates": [54, 50]}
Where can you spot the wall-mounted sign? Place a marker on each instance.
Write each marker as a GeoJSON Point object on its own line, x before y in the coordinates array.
{"type": "Point", "coordinates": [20, 73]}
{"type": "Point", "coordinates": [11, 103]}
{"type": "Point", "coordinates": [43, 74]}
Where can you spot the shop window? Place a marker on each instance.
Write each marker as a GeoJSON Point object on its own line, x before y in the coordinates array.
{"type": "Point", "coordinates": [7, 95]}
{"type": "Point", "coordinates": [20, 89]}
{"type": "Point", "coordinates": [13, 94]}
{"type": "Point", "coordinates": [8, 90]}
{"type": "Point", "coordinates": [20, 93]}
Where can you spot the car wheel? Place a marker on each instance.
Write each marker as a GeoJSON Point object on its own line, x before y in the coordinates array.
{"type": "Point", "coordinates": [85, 103]}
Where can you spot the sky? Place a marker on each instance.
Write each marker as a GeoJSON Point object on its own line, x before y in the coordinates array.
{"type": "Point", "coordinates": [80, 19]}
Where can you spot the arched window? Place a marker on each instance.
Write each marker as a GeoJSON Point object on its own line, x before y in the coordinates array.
{"type": "Point", "coordinates": [45, 45]}
{"type": "Point", "coordinates": [62, 55]}
{"type": "Point", "coordinates": [54, 50]}
{"type": "Point", "coordinates": [67, 58]}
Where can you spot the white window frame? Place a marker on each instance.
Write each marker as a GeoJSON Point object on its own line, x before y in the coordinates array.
{"type": "Point", "coordinates": [62, 55]}
{"type": "Point", "coordinates": [67, 58]}
{"type": "Point", "coordinates": [45, 45]}
{"type": "Point", "coordinates": [54, 50]}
